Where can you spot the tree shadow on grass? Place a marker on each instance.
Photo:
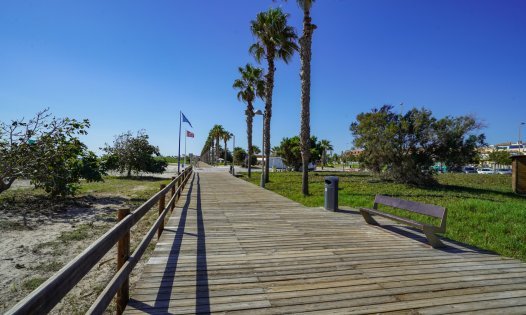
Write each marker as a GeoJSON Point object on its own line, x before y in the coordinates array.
{"type": "Point", "coordinates": [476, 191]}
{"type": "Point", "coordinates": [449, 191]}
{"type": "Point", "coordinates": [342, 174]}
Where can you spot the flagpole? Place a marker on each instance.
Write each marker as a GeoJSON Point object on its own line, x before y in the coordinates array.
{"type": "Point", "coordinates": [185, 136]}
{"type": "Point", "coordinates": [179, 151]}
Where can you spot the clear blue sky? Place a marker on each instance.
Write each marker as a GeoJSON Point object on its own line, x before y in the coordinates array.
{"type": "Point", "coordinates": [130, 65]}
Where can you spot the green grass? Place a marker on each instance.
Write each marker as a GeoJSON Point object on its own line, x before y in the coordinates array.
{"type": "Point", "coordinates": [33, 283]}
{"type": "Point", "coordinates": [81, 232]}
{"type": "Point", "coordinates": [170, 159]}
{"type": "Point", "coordinates": [51, 266]}
{"type": "Point", "coordinates": [136, 188]}
{"type": "Point", "coordinates": [482, 209]}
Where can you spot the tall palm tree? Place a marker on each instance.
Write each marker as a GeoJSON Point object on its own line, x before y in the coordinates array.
{"type": "Point", "coordinates": [274, 39]}
{"type": "Point", "coordinates": [305, 56]}
{"type": "Point", "coordinates": [250, 86]}
{"type": "Point", "coordinates": [226, 136]}
{"type": "Point", "coordinates": [216, 132]}
{"type": "Point", "coordinates": [326, 146]}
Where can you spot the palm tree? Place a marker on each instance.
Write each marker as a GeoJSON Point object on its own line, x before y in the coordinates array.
{"type": "Point", "coordinates": [216, 133]}
{"type": "Point", "coordinates": [274, 39]}
{"type": "Point", "coordinates": [305, 56]}
{"type": "Point", "coordinates": [250, 86]}
{"type": "Point", "coordinates": [325, 145]}
{"type": "Point", "coordinates": [226, 136]}
{"type": "Point", "coordinates": [205, 153]}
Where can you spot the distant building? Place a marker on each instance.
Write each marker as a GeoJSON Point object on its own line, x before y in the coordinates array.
{"type": "Point", "coordinates": [512, 148]}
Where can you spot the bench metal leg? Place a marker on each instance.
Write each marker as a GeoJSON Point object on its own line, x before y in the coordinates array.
{"type": "Point", "coordinates": [433, 240]}
{"type": "Point", "coordinates": [368, 217]}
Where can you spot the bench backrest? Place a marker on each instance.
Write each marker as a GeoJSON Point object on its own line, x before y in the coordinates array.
{"type": "Point", "coordinates": [417, 207]}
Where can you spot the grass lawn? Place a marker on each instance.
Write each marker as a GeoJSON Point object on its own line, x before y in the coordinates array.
{"type": "Point", "coordinates": [482, 209]}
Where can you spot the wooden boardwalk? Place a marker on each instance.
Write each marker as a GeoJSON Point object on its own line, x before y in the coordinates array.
{"type": "Point", "coordinates": [232, 247]}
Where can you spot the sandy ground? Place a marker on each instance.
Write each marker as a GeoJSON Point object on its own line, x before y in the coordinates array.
{"type": "Point", "coordinates": [30, 254]}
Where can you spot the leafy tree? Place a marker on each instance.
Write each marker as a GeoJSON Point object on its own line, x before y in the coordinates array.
{"type": "Point", "coordinates": [403, 147]}
{"type": "Point", "coordinates": [456, 145]}
{"type": "Point", "coordinates": [274, 39]}
{"type": "Point", "coordinates": [325, 146]}
{"type": "Point", "coordinates": [316, 149]}
{"type": "Point", "coordinates": [65, 166]}
{"type": "Point", "coordinates": [290, 151]}
{"type": "Point", "coordinates": [335, 158]}
{"type": "Point", "coordinates": [256, 149]}
{"type": "Point", "coordinates": [239, 155]}
{"type": "Point", "coordinates": [500, 157]}
{"type": "Point", "coordinates": [46, 150]}
{"type": "Point", "coordinates": [250, 86]}
{"type": "Point", "coordinates": [226, 136]}
{"type": "Point", "coordinates": [133, 154]}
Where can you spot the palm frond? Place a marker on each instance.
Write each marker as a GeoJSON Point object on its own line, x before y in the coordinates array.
{"type": "Point", "coordinates": [273, 35]}
{"type": "Point", "coordinates": [257, 51]}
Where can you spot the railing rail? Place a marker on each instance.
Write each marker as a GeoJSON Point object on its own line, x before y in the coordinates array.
{"type": "Point", "coordinates": [49, 293]}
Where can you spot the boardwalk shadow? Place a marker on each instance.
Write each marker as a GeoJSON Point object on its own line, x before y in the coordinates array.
{"type": "Point", "coordinates": [162, 300]}
{"type": "Point", "coordinates": [202, 298]}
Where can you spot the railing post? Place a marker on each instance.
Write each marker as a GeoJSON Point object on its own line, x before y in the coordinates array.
{"type": "Point", "coordinates": [179, 185]}
{"type": "Point", "coordinates": [123, 253]}
{"type": "Point", "coordinates": [173, 193]}
{"type": "Point", "coordinates": [162, 204]}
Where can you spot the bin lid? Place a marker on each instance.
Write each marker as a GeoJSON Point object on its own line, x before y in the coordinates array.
{"type": "Point", "coordinates": [331, 179]}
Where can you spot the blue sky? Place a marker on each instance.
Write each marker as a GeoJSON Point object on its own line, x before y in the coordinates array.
{"type": "Point", "coordinates": [130, 65]}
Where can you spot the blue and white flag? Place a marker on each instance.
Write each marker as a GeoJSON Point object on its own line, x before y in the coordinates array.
{"type": "Point", "coordinates": [186, 120]}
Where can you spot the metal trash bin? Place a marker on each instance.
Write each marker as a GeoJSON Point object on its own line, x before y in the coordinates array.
{"type": "Point", "coordinates": [331, 193]}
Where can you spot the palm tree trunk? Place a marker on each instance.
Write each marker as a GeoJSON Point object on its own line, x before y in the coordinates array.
{"type": "Point", "coordinates": [323, 158]}
{"type": "Point", "coordinates": [250, 118]}
{"type": "Point", "coordinates": [212, 152]}
{"type": "Point", "coordinates": [268, 108]}
{"type": "Point", "coordinates": [225, 153]}
{"type": "Point", "coordinates": [217, 150]}
{"type": "Point", "coordinates": [305, 55]}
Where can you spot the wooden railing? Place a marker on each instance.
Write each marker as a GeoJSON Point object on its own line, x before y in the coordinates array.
{"type": "Point", "coordinates": [47, 295]}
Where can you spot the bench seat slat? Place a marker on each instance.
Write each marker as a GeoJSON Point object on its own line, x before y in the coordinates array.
{"type": "Point", "coordinates": [413, 206]}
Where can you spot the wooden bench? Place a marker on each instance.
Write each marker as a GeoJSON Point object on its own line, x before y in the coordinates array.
{"type": "Point", "coordinates": [416, 207]}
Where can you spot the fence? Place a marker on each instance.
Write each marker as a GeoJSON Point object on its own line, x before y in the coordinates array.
{"type": "Point", "coordinates": [47, 295]}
